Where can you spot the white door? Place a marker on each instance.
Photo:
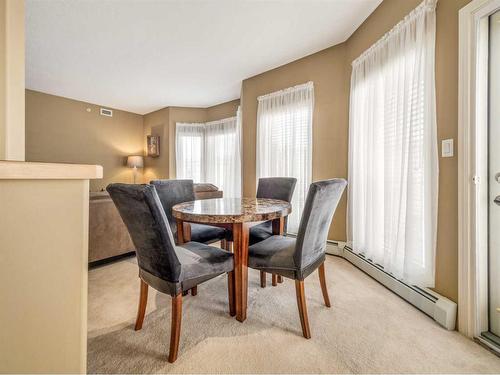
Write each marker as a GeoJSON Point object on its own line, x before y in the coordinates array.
{"type": "Point", "coordinates": [494, 175]}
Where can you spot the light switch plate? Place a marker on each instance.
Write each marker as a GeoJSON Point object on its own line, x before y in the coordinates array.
{"type": "Point", "coordinates": [447, 148]}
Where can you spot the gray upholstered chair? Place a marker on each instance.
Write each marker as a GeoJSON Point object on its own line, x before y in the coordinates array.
{"type": "Point", "coordinates": [281, 188]}
{"type": "Point", "coordinates": [297, 258]}
{"type": "Point", "coordinates": [172, 192]}
{"type": "Point", "coordinates": [168, 268]}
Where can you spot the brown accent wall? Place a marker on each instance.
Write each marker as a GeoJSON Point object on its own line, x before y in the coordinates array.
{"type": "Point", "coordinates": [156, 123]}
{"type": "Point", "coordinates": [61, 130]}
{"type": "Point", "coordinates": [330, 71]}
{"type": "Point", "coordinates": [163, 122]}
{"type": "Point", "coordinates": [327, 70]}
{"type": "Point", "coordinates": [223, 110]}
{"type": "Point", "coordinates": [447, 120]}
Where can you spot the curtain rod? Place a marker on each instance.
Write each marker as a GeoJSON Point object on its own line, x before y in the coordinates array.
{"type": "Point", "coordinates": [426, 5]}
{"type": "Point", "coordinates": [222, 121]}
{"type": "Point", "coordinates": [287, 90]}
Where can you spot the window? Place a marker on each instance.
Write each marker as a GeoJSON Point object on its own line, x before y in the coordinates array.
{"type": "Point", "coordinates": [189, 151]}
{"type": "Point", "coordinates": [211, 152]}
{"type": "Point", "coordinates": [393, 162]}
{"type": "Point", "coordinates": [284, 141]}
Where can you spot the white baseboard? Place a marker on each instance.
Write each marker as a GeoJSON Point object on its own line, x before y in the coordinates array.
{"type": "Point", "coordinates": [441, 309]}
{"type": "Point", "coordinates": [335, 248]}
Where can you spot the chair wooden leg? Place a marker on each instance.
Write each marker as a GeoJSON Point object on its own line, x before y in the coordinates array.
{"type": "Point", "coordinates": [263, 277]}
{"type": "Point", "coordinates": [143, 301]}
{"type": "Point", "coordinates": [194, 290]}
{"type": "Point", "coordinates": [175, 328]}
{"type": "Point", "coordinates": [230, 293]}
{"type": "Point", "coordinates": [280, 279]}
{"type": "Point", "coordinates": [274, 279]}
{"type": "Point", "coordinates": [322, 281]}
{"type": "Point", "coordinates": [301, 303]}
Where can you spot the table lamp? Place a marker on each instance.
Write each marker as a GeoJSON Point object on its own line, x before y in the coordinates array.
{"type": "Point", "coordinates": [135, 161]}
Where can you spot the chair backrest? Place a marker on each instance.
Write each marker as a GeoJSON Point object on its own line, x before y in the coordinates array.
{"type": "Point", "coordinates": [276, 188]}
{"type": "Point", "coordinates": [322, 200]}
{"type": "Point", "coordinates": [172, 192]}
{"type": "Point", "coordinates": [142, 213]}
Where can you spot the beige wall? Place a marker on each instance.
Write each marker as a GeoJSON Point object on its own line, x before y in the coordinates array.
{"type": "Point", "coordinates": [330, 71]}
{"type": "Point", "coordinates": [43, 283]}
{"type": "Point", "coordinates": [61, 130]}
{"type": "Point", "coordinates": [11, 80]}
{"type": "Point", "coordinates": [163, 122]}
{"type": "Point", "coordinates": [43, 235]}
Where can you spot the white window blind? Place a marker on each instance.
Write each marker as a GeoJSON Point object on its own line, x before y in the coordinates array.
{"type": "Point", "coordinates": [284, 141]}
{"type": "Point", "coordinates": [211, 152]}
{"type": "Point", "coordinates": [393, 161]}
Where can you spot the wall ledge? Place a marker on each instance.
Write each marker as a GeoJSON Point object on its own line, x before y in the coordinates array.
{"type": "Point", "coordinates": [19, 170]}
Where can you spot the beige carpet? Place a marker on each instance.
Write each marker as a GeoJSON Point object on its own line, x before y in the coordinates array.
{"type": "Point", "coordinates": [368, 329]}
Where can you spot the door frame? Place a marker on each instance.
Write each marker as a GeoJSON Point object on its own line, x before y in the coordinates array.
{"type": "Point", "coordinates": [472, 167]}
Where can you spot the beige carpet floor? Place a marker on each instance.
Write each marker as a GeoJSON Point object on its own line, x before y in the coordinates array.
{"type": "Point", "coordinates": [368, 329]}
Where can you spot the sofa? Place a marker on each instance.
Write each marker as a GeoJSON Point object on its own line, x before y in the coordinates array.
{"type": "Point", "coordinates": [108, 236]}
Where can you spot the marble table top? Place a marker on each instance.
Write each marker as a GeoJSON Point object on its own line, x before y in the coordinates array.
{"type": "Point", "coordinates": [231, 210]}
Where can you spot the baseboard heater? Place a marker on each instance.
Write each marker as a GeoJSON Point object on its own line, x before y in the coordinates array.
{"type": "Point", "coordinates": [441, 309]}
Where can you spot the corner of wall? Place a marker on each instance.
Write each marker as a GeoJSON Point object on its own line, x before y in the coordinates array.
{"type": "Point", "coordinates": [12, 80]}
{"type": "Point", "coordinates": [156, 123]}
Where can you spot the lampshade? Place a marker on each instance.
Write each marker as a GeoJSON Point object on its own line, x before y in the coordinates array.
{"type": "Point", "coordinates": [135, 161]}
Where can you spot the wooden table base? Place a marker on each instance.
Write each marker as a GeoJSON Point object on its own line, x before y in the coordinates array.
{"type": "Point", "coordinates": [237, 215]}
{"type": "Point", "coordinates": [240, 244]}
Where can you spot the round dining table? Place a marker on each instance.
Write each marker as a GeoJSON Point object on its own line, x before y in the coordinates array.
{"type": "Point", "coordinates": [237, 215]}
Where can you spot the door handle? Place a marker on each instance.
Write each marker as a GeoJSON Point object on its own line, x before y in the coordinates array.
{"type": "Point", "coordinates": [497, 200]}
{"type": "Point", "coordinates": [498, 309]}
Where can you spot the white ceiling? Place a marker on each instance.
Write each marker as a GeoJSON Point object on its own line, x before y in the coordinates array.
{"type": "Point", "coordinates": [144, 55]}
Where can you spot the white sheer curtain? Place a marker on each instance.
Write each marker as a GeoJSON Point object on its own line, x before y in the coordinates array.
{"type": "Point", "coordinates": [223, 156]}
{"type": "Point", "coordinates": [284, 141]}
{"type": "Point", "coordinates": [189, 151]}
{"type": "Point", "coordinates": [211, 152]}
{"type": "Point", "coordinates": [393, 160]}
